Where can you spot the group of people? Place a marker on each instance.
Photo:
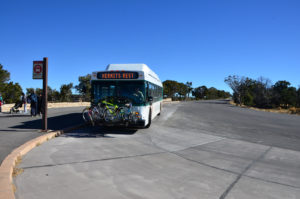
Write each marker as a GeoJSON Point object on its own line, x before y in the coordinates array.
{"type": "Point", "coordinates": [36, 103]}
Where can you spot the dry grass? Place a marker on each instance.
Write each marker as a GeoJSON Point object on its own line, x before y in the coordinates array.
{"type": "Point", "coordinates": [18, 160]}
{"type": "Point", "coordinates": [14, 188]}
{"type": "Point", "coordinates": [38, 144]}
{"type": "Point", "coordinates": [292, 110]}
{"type": "Point", "coordinates": [17, 171]}
{"type": "Point", "coordinates": [232, 103]}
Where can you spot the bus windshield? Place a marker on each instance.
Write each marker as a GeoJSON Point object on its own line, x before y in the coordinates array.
{"type": "Point", "coordinates": [135, 91]}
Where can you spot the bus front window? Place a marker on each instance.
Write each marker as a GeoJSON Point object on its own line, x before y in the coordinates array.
{"type": "Point", "coordinates": [132, 90]}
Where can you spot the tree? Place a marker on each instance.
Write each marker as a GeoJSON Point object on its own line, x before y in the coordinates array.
{"type": "Point", "coordinates": [262, 93]}
{"type": "Point", "coordinates": [200, 92]}
{"type": "Point", "coordinates": [39, 91]}
{"type": "Point", "coordinates": [283, 94]}
{"type": "Point", "coordinates": [66, 92]}
{"type": "Point", "coordinates": [182, 89]}
{"type": "Point", "coordinates": [235, 82]}
{"type": "Point", "coordinates": [291, 97]}
{"type": "Point", "coordinates": [189, 88]}
{"type": "Point", "coordinates": [223, 94]}
{"type": "Point", "coordinates": [247, 88]}
{"type": "Point", "coordinates": [298, 97]}
{"type": "Point", "coordinates": [11, 92]}
{"type": "Point", "coordinates": [53, 95]}
{"type": "Point", "coordinates": [170, 88]}
{"type": "Point", "coordinates": [4, 75]}
{"type": "Point", "coordinates": [84, 87]}
{"type": "Point", "coordinates": [212, 93]}
{"type": "Point", "coordinates": [29, 91]}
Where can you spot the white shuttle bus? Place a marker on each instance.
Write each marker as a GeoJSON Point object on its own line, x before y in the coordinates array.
{"type": "Point", "coordinates": [135, 82]}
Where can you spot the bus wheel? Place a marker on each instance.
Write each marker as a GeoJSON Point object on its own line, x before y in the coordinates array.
{"type": "Point", "coordinates": [149, 120]}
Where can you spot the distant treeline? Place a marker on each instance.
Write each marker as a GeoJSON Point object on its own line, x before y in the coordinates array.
{"type": "Point", "coordinates": [9, 90]}
{"type": "Point", "coordinates": [246, 91]}
{"type": "Point", "coordinates": [63, 95]}
{"type": "Point", "coordinates": [262, 94]}
{"type": "Point", "coordinates": [181, 91]}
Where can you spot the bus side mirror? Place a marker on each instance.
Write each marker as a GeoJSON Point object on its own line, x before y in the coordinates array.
{"type": "Point", "coordinates": [150, 98]}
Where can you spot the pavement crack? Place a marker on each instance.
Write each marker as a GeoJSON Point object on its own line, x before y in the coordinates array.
{"type": "Point", "coordinates": [96, 160]}
{"type": "Point", "coordinates": [201, 163]}
{"type": "Point", "coordinates": [181, 156]}
{"type": "Point", "coordinates": [270, 181]}
{"type": "Point", "coordinates": [223, 196]}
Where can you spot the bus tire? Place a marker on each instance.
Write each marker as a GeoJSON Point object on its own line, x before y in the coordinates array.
{"type": "Point", "coordinates": [149, 120]}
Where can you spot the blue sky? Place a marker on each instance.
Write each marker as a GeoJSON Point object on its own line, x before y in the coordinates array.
{"type": "Point", "coordinates": [202, 41]}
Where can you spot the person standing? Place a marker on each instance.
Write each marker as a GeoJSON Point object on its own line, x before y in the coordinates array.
{"type": "Point", "coordinates": [24, 101]}
{"type": "Point", "coordinates": [1, 102]}
{"type": "Point", "coordinates": [33, 104]}
{"type": "Point", "coordinates": [40, 105]}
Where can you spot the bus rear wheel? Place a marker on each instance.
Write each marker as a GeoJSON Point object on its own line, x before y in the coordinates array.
{"type": "Point", "coordinates": [149, 120]}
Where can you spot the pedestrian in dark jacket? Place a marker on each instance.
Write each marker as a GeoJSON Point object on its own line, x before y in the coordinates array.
{"type": "Point", "coordinates": [33, 104]}
{"type": "Point", "coordinates": [40, 105]}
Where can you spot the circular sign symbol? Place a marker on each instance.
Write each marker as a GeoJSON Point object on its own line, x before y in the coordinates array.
{"type": "Point", "coordinates": [37, 69]}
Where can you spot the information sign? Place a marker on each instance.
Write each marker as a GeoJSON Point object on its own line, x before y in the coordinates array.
{"type": "Point", "coordinates": [37, 70]}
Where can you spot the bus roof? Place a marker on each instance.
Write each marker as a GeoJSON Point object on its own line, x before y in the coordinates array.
{"type": "Point", "coordinates": [149, 75]}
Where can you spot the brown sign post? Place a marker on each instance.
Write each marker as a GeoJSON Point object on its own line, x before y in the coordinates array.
{"type": "Point", "coordinates": [40, 71]}
{"type": "Point", "coordinates": [45, 93]}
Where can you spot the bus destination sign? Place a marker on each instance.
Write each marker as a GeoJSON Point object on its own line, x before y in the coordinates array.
{"type": "Point", "coordinates": [117, 75]}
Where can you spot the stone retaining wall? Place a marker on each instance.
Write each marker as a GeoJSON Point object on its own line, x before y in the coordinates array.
{"type": "Point", "coordinates": [7, 107]}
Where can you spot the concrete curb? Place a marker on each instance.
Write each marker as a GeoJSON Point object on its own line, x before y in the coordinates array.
{"type": "Point", "coordinates": [8, 164]}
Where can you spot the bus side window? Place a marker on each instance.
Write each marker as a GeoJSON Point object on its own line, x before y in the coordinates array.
{"type": "Point", "coordinates": [150, 90]}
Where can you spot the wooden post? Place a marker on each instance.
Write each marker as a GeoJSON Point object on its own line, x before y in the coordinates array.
{"type": "Point", "coordinates": [45, 93]}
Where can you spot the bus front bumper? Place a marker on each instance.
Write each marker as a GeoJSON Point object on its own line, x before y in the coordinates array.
{"type": "Point", "coordinates": [138, 124]}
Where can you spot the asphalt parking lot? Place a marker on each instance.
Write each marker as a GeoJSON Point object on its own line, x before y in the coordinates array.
{"type": "Point", "coordinates": [203, 149]}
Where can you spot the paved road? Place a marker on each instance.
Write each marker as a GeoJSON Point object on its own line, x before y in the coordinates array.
{"type": "Point", "coordinates": [205, 149]}
{"type": "Point", "coordinates": [16, 129]}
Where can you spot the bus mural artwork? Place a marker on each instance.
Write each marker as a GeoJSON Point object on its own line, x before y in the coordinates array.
{"type": "Point", "coordinates": [124, 95]}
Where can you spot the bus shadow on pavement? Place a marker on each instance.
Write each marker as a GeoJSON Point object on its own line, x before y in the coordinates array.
{"type": "Point", "coordinates": [99, 132]}
{"type": "Point", "coordinates": [54, 123]}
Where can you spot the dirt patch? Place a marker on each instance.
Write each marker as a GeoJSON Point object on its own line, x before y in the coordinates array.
{"type": "Point", "coordinates": [17, 171]}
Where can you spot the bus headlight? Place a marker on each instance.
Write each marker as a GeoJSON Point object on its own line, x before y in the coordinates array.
{"type": "Point", "coordinates": [136, 116]}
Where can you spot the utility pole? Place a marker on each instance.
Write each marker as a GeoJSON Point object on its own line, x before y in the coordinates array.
{"type": "Point", "coordinates": [45, 94]}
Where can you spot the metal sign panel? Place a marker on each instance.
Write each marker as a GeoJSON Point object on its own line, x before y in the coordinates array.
{"type": "Point", "coordinates": [37, 70]}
